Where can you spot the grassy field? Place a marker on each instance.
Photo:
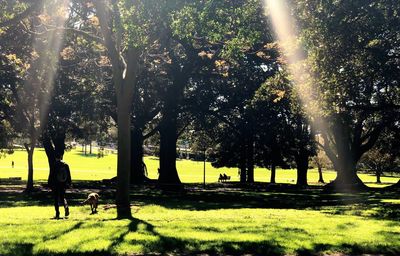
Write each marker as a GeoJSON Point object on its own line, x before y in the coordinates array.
{"type": "Point", "coordinates": [227, 218]}
{"type": "Point", "coordinates": [93, 168]}
{"type": "Point", "coordinates": [224, 219]}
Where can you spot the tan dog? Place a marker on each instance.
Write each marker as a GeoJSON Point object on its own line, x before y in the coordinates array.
{"type": "Point", "coordinates": [93, 201]}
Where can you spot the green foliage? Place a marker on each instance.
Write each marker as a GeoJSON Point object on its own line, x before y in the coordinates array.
{"type": "Point", "coordinates": [141, 20]}
{"type": "Point", "coordinates": [236, 25]}
{"type": "Point", "coordinates": [352, 48]}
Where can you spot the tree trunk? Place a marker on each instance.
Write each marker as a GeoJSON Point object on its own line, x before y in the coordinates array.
{"type": "Point", "coordinates": [346, 179]}
{"type": "Point", "coordinates": [321, 178]}
{"type": "Point", "coordinates": [90, 147]}
{"type": "Point", "coordinates": [59, 143]}
{"type": "Point", "coordinates": [302, 169]}
{"type": "Point", "coordinates": [242, 174]}
{"type": "Point", "coordinates": [250, 160]}
{"type": "Point", "coordinates": [347, 176]}
{"type": "Point", "coordinates": [124, 161]}
{"type": "Point", "coordinates": [348, 153]}
{"type": "Point", "coordinates": [50, 153]}
{"type": "Point", "coordinates": [29, 184]}
{"type": "Point", "coordinates": [273, 173]}
{"type": "Point", "coordinates": [242, 166]}
{"type": "Point", "coordinates": [378, 177]}
{"type": "Point", "coordinates": [168, 136]}
{"type": "Point", "coordinates": [53, 146]}
{"type": "Point", "coordinates": [137, 171]}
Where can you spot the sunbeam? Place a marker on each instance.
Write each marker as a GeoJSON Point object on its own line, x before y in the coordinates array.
{"type": "Point", "coordinates": [300, 73]}
{"type": "Point", "coordinates": [285, 30]}
{"type": "Point", "coordinates": [48, 50]}
{"type": "Point", "coordinates": [37, 90]}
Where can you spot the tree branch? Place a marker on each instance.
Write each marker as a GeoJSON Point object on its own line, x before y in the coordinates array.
{"type": "Point", "coordinates": [23, 15]}
{"type": "Point", "coordinates": [83, 33]}
{"type": "Point", "coordinates": [113, 53]}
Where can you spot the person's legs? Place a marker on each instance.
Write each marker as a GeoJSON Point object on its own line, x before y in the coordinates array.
{"type": "Point", "coordinates": [56, 198]}
{"type": "Point", "coordinates": [63, 200]}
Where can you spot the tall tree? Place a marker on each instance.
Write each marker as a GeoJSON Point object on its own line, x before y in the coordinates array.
{"type": "Point", "coordinates": [36, 62]}
{"type": "Point", "coordinates": [353, 48]}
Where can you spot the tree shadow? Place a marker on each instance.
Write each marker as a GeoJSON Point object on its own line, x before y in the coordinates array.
{"type": "Point", "coordinates": [347, 249]}
{"type": "Point", "coordinates": [226, 196]}
{"type": "Point", "coordinates": [88, 155]}
{"type": "Point", "coordinates": [170, 245]}
{"type": "Point", "coordinates": [162, 245]}
{"type": "Point", "coordinates": [17, 249]}
{"type": "Point", "coordinates": [64, 232]}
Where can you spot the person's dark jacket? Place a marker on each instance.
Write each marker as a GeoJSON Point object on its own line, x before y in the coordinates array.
{"type": "Point", "coordinates": [53, 182]}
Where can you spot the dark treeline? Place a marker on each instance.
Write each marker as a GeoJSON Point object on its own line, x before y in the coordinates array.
{"type": "Point", "coordinates": [207, 71]}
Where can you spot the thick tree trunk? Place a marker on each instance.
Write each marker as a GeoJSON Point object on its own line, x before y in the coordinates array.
{"type": "Point", "coordinates": [53, 146]}
{"type": "Point", "coordinates": [29, 184]}
{"type": "Point", "coordinates": [242, 174]}
{"type": "Point", "coordinates": [168, 136]}
{"type": "Point", "coordinates": [137, 171]}
{"type": "Point", "coordinates": [302, 169]}
{"type": "Point", "coordinates": [378, 177]}
{"type": "Point", "coordinates": [347, 144]}
{"type": "Point", "coordinates": [273, 173]}
{"type": "Point", "coordinates": [346, 179]}
{"type": "Point", "coordinates": [321, 178]}
{"type": "Point", "coordinates": [50, 152]}
{"type": "Point", "coordinates": [346, 170]}
{"type": "Point", "coordinates": [347, 176]}
{"type": "Point", "coordinates": [124, 161]}
{"type": "Point", "coordinates": [59, 143]}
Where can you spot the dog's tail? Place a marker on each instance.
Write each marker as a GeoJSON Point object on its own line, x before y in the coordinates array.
{"type": "Point", "coordinates": [84, 202]}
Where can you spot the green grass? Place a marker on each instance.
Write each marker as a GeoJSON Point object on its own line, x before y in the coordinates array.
{"type": "Point", "coordinates": [93, 168]}
{"type": "Point", "coordinates": [219, 220]}
{"type": "Point", "coordinates": [223, 219]}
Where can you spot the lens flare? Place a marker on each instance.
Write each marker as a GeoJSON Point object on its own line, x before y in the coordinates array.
{"type": "Point", "coordinates": [46, 46]}
{"type": "Point", "coordinates": [286, 33]}
{"type": "Point", "coordinates": [301, 75]}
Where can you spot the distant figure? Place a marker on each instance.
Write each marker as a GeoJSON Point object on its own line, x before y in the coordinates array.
{"type": "Point", "coordinates": [59, 181]}
{"type": "Point", "coordinates": [93, 201]}
{"type": "Point", "coordinates": [12, 164]}
{"type": "Point", "coordinates": [223, 177]}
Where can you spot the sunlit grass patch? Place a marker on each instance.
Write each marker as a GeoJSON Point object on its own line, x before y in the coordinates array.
{"type": "Point", "coordinates": [276, 223]}
{"type": "Point", "coordinates": [92, 168]}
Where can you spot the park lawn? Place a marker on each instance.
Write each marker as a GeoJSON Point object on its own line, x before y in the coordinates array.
{"type": "Point", "coordinates": [90, 167]}
{"type": "Point", "coordinates": [219, 220]}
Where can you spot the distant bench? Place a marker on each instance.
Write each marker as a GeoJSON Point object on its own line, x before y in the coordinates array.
{"type": "Point", "coordinates": [10, 179]}
{"type": "Point", "coordinates": [223, 178]}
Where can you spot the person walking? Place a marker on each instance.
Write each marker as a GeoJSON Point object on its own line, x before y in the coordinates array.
{"type": "Point", "coordinates": [59, 180]}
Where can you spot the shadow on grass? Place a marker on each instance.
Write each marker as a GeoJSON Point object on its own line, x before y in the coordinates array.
{"type": "Point", "coordinates": [347, 249]}
{"type": "Point", "coordinates": [222, 196]}
{"type": "Point", "coordinates": [160, 245]}
{"type": "Point", "coordinates": [167, 245]}
{"type": "Point", "coordinates": [82, 154]}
